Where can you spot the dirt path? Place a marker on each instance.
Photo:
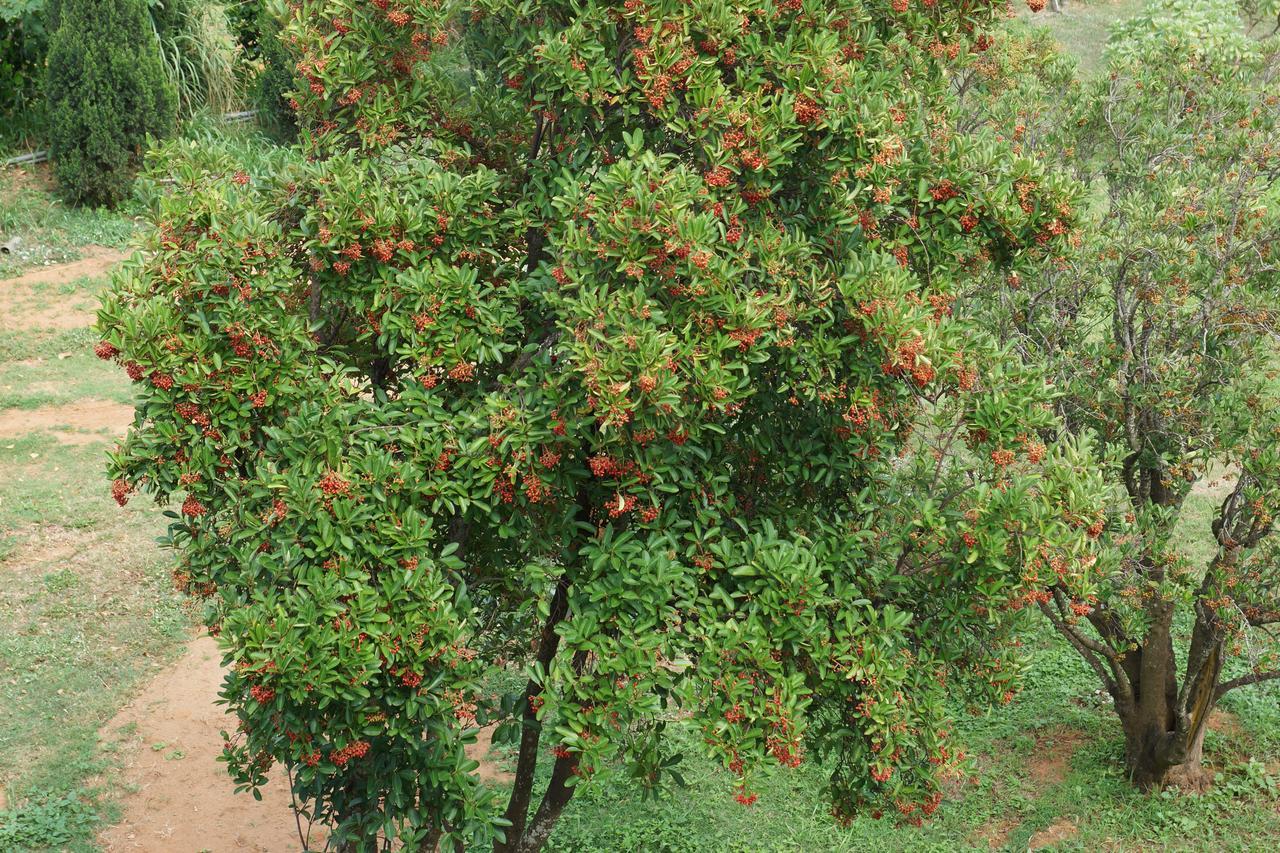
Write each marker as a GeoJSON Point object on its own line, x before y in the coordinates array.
{"type": "Point", "coordinates": [80, 422]}
{"type": "Point", "coordinates": [180, 798]}
{"type": "Point", "coordinates": [25, 304]}
{"type": "Point", "coordinates": [181, 801]}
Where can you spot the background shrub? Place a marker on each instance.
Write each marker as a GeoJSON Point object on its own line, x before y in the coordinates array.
{"type": "Point", "coordinates": [23, 43]}
{"type": "Point", "coordinates": [106, 92]}
{"type": "Point", "coordinates": [276, 81]}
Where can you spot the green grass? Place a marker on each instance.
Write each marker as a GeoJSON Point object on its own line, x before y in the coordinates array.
{"type": "Point", "coordinates": [50, 232]}
{"type": "Point", "coordinates": [1016, 794]}
{"type": "Point", "coordinates": [1083, 29]}
{"type": "Point", "coordinates": [87, 610]}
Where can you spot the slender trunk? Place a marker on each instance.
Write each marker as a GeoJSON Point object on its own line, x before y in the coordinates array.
{"type": "Point", "coordinates": [553, 802]}
{"type": "Point", "coordinates": [530, 729]}
{"type": "Point", "coordinates": [431, 842]}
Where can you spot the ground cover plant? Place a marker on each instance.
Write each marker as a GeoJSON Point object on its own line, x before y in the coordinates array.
{"type": "Point", "coordinates": [613, 341]}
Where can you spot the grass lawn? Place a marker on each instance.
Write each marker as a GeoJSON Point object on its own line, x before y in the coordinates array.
{"type": "Point", "coordinates": [1083, 28]}
{"type": "Point", "coordinates": [1046, 776]}
{"type": "Point", "coordinates": [46, 232]}
{"type": "Point", "coordinates": [86, 607]}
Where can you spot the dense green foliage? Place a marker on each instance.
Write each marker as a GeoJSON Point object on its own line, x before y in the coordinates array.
{"type": "Point", "coordinates": [276, 81]}
{"type": "Point", "coordinates": [106, 94]}
{"type": "Point", "coordinates": [23, 42]}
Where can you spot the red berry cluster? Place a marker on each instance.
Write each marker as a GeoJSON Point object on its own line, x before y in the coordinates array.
{"type": "Point", "coordinates": [262, 694]}
{"type": "Point", "coordinates": [356, 749]}
{"type": "Point", "coordinates": [333, 485]}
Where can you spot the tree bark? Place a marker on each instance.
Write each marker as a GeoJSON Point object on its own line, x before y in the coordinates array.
{"type": "Point", "coordinates": [530, 729]}
{"type": "Point", "coordinates": [1164, 728]}
{"type": "Point", "coordinates": [553, 802]}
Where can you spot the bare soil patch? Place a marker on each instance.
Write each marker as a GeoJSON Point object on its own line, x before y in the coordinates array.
{"type": "Point", "coordinates": [1225, 723]}
{"type": "Point", "coordinates": [993, 834]}
{"type": "Point", "coordinates": [1051, 762]}
{"type": "Point", "coordinates": [82, 422]}
{"type": "Point", "coordinates": [1061, 830]}
{"type": "Point", "coordinates": [22, 308]}
{"type": "Point", "coordinates": [49, 544]}
{"type": "Point", "coordinates": [38, 177]}
{"type": "Point", "coordinates": [181, 798]}
{"type": "Point", "coordinates": [490, 772]}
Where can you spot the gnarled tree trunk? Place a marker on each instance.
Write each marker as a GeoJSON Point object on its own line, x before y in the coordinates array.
{"type": "Point", "coordinates": [1164, 726]}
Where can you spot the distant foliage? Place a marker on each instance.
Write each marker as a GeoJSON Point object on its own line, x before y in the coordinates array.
{"type": "Point", "coordinates": [1160, 328]}
{"type": "Point", "coordinates": [24, 41]}
{"type": "Point", "coordinates": [277, 80]}
{"type": "Point", "coordinates": [106, 93]}
{"type": "Point", "coordinates": [1203, 33]}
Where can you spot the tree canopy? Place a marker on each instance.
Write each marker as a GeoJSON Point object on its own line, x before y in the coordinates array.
{"type": "Point", "coordinates": [612, 343]}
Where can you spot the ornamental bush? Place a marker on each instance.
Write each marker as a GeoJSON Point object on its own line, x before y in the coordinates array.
{"type": "Point", "coordinates": [1159, 329]}
{"type": "Point", "coordinates": [106, 92]}
{"type": "Point", "coordinates": [24, 40]}
{"type": "Point", "coordinates": [613, 344]}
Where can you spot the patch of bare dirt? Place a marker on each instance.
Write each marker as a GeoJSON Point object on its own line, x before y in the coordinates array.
{"type": "Point", "coordinates": [1225, 723]}
{"type": "Point", "coordinates": [1051, 762]}
{"type": "Point", "coordinates": [81, 422]}
{"type": "Point", "coordinates": [22, 308]}
{"type": "Point", "coordinates": [1217, 484]}
{"type": "Point", "coordinates": [38, 177]}
{"type": "Point", "coordinates": [181, 799]}
{"type": "Point", "coordinates": [1061, 830]}
{"type": "Point", "coordinates": [49, 544]}
{"type": "Point", "coordinates": [490, 772]}
{"type": "Point", "coordinates": [993, 834]}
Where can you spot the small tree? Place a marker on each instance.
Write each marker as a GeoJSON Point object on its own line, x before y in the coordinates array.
{"type": "Point", "coordinates": [106, 91]}
{"type": "Point", "coordinates": [1160, 329]}
{"type": "Point", "coordinates": [612, 341]}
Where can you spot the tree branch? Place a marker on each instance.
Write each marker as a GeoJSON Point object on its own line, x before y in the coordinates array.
{"type": "Point", "coordinates": [1245, 680]}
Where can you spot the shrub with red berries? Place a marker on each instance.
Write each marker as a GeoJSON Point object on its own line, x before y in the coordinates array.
{"type": "Point", "coordinates": [625, 356]}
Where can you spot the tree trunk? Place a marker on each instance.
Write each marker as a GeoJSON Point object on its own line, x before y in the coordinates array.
{"type": "Point", "coordinates": [1151, 724]}
{"type": "Point", "coordinates": [1164, 729]}
{"type": "Point", "coordinates": [553, 802]}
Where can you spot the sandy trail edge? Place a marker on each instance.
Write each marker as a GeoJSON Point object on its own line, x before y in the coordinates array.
{"type": "Point", "coordinates": [187, 804]}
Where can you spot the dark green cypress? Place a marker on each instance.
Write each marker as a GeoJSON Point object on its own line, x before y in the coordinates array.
{"type": "Point", "coordinates": [106, 91]}
{"type": "Point", "coordinates": [277, 81]}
